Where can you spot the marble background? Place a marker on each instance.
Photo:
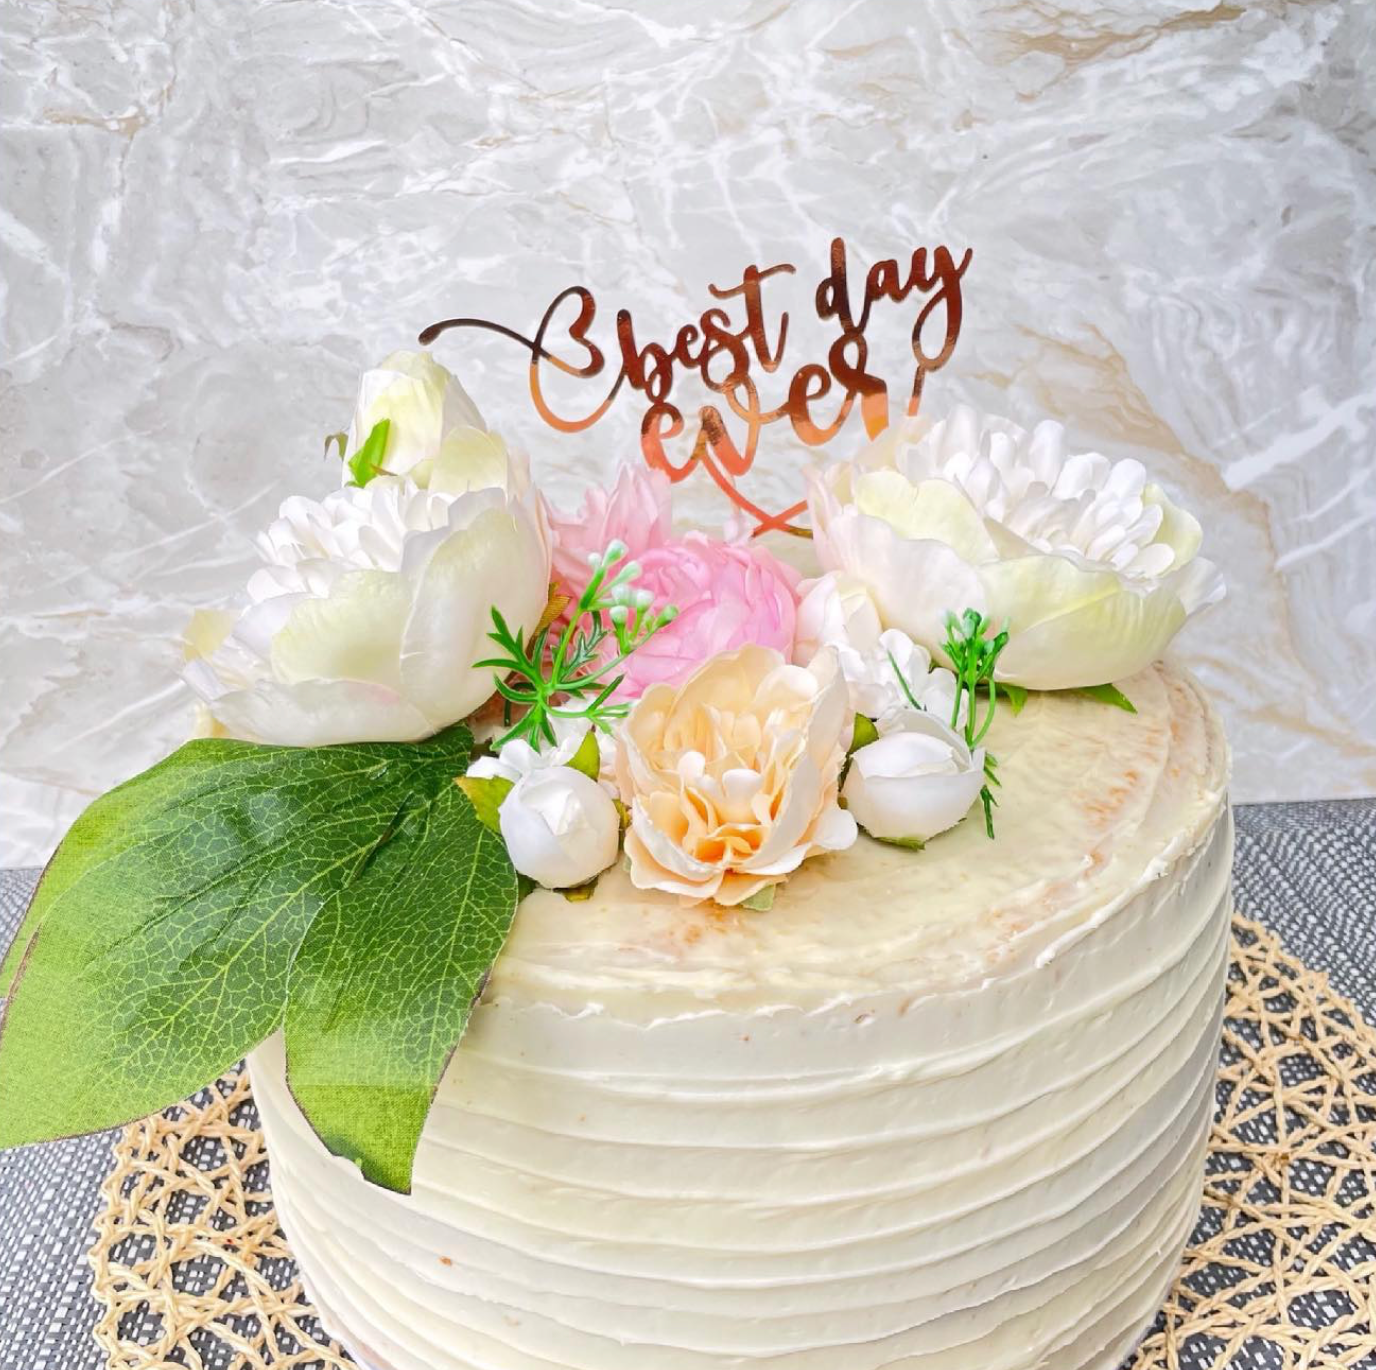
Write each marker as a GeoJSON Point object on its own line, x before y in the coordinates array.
{"type": "Point", "coordinates": [215, 215]}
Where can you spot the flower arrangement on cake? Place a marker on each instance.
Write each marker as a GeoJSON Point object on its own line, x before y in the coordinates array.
{"type": "Point", "coordinates": [440, 693]}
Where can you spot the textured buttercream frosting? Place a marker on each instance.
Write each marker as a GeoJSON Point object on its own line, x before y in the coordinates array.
{"type": "Point", "coordinates": [936, 1109]}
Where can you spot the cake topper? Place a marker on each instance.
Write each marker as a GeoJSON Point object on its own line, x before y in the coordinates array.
{"type": "Point", "coordinates": [728, 354]}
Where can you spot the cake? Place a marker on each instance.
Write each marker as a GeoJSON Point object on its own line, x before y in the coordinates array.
{"type": "Point", "coordinates": [655, 951]}
{"type": "Point", "coordinates": [937, 1111]}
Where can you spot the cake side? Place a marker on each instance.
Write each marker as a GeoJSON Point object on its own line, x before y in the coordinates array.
{"type": "Point", "coordinates": [944, 1111]}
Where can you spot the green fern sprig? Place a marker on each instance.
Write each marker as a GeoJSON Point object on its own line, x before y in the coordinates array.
{"type": "Point", "coordinates": [973, 657]}
{"type": "Point", "coordinates": [578, 674]}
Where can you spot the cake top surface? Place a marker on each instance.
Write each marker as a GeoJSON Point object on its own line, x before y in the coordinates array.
{"type": "Point", "coordinates": [1095, 803]}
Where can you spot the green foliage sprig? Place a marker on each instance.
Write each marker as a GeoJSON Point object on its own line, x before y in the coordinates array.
{"type": "Point", "coordinates": [973, 656]}
{"type": "Point", "coordinates": [578, 675]}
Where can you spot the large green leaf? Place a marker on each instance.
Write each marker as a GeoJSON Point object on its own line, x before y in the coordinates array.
{"type": "Point", "coordinates": [158, 944]}
{"type": "Point", "coordinates": [384, 982]}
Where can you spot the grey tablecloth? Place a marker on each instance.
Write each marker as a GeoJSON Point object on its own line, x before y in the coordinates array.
{"type": "Point", "coordinates": [1307, 870]}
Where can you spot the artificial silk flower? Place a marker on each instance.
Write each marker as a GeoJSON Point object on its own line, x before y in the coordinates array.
{"type": "Point", "coordinates": [894, 678]}
{"type": "Point", "coordinates": [373, 604]}
{"type": "Point", "coordinates": [561, 828]}
{"type": "Point", "coordinates": [1092, 568]}
{"type": "Point", "coordinates": [518, 757]}
{"type": "Point", "coordinates": [731, 778]}
{"type": "Point", "coordinates": [888, 674]}
{"type": "Point", "coordinates": [425, 407]}
{"type": "Point", "coordinates": [635, 510]}
{"type": "Point", "coordinates": [726, 594]}
{"type": "Point", "coordinates": [913, 782]}
{"type": "Point", "coordinates": [835, 610]}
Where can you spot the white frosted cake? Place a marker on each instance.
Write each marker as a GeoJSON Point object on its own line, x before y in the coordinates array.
{"type": "Point", "coordinates": [653, 954]}
{"type": "Point", "coordinates": [935, 1111]}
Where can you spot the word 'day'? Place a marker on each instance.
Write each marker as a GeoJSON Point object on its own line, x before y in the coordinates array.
{"type": "Point", "coordinates": [730, 346]}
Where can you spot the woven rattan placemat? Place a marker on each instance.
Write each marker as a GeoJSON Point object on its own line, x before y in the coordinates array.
{"type": "Point", "coordinates": [192, 1270]}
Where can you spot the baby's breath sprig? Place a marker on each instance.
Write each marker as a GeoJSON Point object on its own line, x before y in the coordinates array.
{"type": "Point", "coordinates": [576, 677]}
{"type": "Point", "coordinates": [973, 656]}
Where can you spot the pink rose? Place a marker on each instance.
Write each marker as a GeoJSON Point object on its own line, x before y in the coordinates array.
{"type": "Point", "coordinates": [728, 595]}
{"type": "Point", "coordinates": [636, 509]}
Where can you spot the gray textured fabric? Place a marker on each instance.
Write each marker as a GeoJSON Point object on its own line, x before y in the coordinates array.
{"type": "Point", "coordinates": [48, 1199]}
{"type": "Point", "coordinates": [1306, 870]}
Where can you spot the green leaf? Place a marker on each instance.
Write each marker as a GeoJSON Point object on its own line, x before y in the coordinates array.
{"type": "Point", "coordinates": [1109, 694]}
{"type": "Point", "coordinates": [157, 947]}
{"type": "Point", "coordinates": [580, 894]}
{"type": "Point", "coordinates": [862, 733]}
{"type": "Point", "coordinates": [386, 978]}
{"type": "Point", "coordinates": [485, 793]}
{"type": "Point", "coordinates": [911, 843]}
{"type": "Point", "coordinates": [588, 758]}
{"type": "Point", "coordinates": [762, 900]}
{"type": "Point", "coordinates": [367, 461]}
{"type": "Point", "coordinates": [1015, 694]}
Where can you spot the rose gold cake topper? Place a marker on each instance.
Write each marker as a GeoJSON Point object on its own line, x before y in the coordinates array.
{"type": "Point", "coordinates": [713, 342]}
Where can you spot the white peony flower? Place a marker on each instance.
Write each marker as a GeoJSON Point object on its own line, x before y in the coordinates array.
{"type": "Point", "coordinates": [373, 605]}
{"type": "Point", "coordinates": [518, 758]}
{"type": "Point", "coordinates": [1093, 568]}
{"type": "Point", "coordinates": [425, 406]}
{"type": "Point", "coordinates": [560, 827]}
{"type": "Point", "coordinates": [835, 610]}
{"type": "Point", "coordinates": [914, 782]}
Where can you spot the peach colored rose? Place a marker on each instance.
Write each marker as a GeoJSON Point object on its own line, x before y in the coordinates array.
{"type": "Point", "coordinates": [731, 778]}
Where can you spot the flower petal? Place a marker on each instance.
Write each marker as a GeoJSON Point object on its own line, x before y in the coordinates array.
{"type": "Point", "coordinates": [494, 561]}
{"type": "Point", "coordinates": [931, 509]}
{"type": "Point", "coordinates": [1071, 627]}
{"type": "Point", "coordinates": [317, 713]}
{"type": "Point", "coordinates": [352, 634]}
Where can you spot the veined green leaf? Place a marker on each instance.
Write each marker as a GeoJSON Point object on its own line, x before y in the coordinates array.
{"type": "Point", "coordinates": [383, 985]}
{"type": "Point", "coordinates": [1109, 694]}
{"type": "Point", "coordinates": [157, 947]}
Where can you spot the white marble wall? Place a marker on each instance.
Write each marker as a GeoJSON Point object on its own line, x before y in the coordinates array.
{"type": "Point", "coordinates": [214, 215]}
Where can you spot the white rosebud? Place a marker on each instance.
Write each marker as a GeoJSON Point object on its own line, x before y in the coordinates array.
{"type": "Point", "coordinates": [425, 406]}
{"type": "Point", "coordinates": [835, 610]}
{"type": "Point", "coordinates": [560, 828]}
{"type": "Point", "coordinates": [914, 782]}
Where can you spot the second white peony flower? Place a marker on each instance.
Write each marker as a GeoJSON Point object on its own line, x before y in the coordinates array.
{"type": "Point", "coordinates": [1091, 567]}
